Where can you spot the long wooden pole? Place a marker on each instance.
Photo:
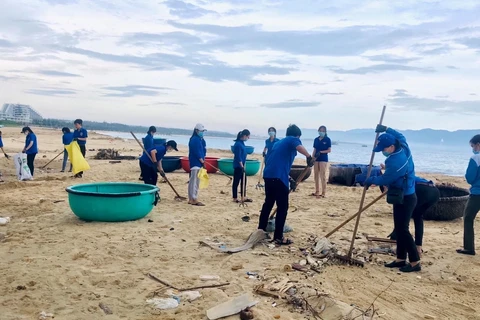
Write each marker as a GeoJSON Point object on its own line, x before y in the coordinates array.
{"type": "Point", "coordinates": [352, 243]}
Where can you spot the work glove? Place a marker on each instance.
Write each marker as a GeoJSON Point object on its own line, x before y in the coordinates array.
{"type": "Point", "coordinates": [293, 184]}
{"type": "Point", "coordinates": [310, 161]}
{"type": "Point", "coordinates": [162, 174]}
{"type": "Point", "coordinates": [7, 156]}
{"type": "Point", "coordinates": [380, 128]}
{"type": "Point", "coordinates": [368, 182]}
{"type": "Point", "coordinates": [75, 139]}
{"type": "Point", "coordinates": [264, 154]}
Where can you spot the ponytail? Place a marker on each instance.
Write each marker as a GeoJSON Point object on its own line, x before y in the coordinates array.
{"type": "Point", "coordinates": [239, 136]}
{"type": "Point", "coordinates": [244, 132]}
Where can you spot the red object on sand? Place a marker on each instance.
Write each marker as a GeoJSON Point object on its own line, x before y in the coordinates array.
{"type": "Point", "coordinates": [210, 163]}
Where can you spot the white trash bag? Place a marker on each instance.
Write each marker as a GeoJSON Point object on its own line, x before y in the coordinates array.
{"type": "Point", "coordinates": [23, 171]}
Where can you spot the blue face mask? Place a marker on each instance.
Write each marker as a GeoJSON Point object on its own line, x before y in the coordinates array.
{"type": "Point", "coordinates": [475, 151]}
{"type": "Point", "coordinates": [272, 133]}
{"type": "Point", "coordinates": [200, 134]}
{"type": "Point", "coordinates": [385, 153]}
{"type": "Point", "coordinates": [321, 134]}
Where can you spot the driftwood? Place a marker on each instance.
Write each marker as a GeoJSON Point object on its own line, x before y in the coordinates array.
{"type": "Point", "coordinates": [186, 289]}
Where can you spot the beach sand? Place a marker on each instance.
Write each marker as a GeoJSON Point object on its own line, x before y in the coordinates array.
{"type": "Point", "coordinates": [51, 261]}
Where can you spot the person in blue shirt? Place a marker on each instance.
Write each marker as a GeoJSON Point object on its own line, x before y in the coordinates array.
{"type": "Point", "coordinates": [270, 142]}
{"type": "Point", "coordinates": [148, 141]}
{"type": "Point", "coordinates": [197, 149]}
{"type": "Point", "coordinates": [4, 153]}
{"type": "Point", "coordinates": [67, 138]}
{"type": "Point", "coordinates": [239, 160]}
{"type": "Point", "coordinates": [322, 146]}
{"type": "Point", "coordinates": [399, 178]}
{"type": "Point", "coordinates": [80, 135]}
{"type": "Point", "coordinates": [427, 196]}
{"type": "Point", "coordinates": [473, 205]}
{"type": "Point", "coordinates": [149, 167]}
{"type": "Point", "coordinates": [31, 148]}
{"type": "Point", "coordinates": [276, 177]}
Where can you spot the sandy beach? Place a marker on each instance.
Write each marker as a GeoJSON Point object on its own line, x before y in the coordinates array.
{"type": "Point", "coordinates": [51, 261]}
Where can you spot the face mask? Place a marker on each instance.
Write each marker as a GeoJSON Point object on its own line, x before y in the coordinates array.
{"type": "Point", "coordinates": [271, 134]}
{"type": "Point", "coordinates": [200, 134]}
{"type": "Point", "coordinates": [321, 134]}
{"type": "Point", "coordinates": [385, 153]}
{"type": "Point", "coordinates": [169, 150]}
{"type": "Point", "coordinates": [475, 151]}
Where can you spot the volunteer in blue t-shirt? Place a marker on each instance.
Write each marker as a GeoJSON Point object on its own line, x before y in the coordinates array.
{"type": "Point", "coordinates": [67, 138]}
{"type": "Point", "coordinates": [399, 177]}
{"type": "Point", "coordinates": [1, 147]}
{"type": "Point", "coordinates": [270, 142]}
{"type": "Point", "coordinates": [150, 165]}
{"type": "Point", "coordinates": [276, 176]}
{"type": "Point", "coordinates": [31, 148]}
{"type": "Point", "coordinates": [80, 135]}
{"type": "Point", "coordinates": [473, 205]}
{"type": "Point", "coordinates": [148, 141]}
{"type": "Point", "coordinates": [239, 160]}
{"type": "Point", "coordinates": [322, 146]}
{"type": "Point", "coordinates": [197, 150]}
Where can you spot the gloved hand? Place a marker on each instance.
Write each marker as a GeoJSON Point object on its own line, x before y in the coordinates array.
{"type": "Point", "coordinates": [293, 184]}
{"type": "Point", "coordinates": [75, 139]}
{"type": "Point", "coordinates": [380, 128]}
{"type": "Point", "coordinates": [264, 154]}
{"type": "Point", "coordinates": [368, 182]}
{"type": "Point", "coordinates": [7, 156]}
{"type": "Point", "coordinates": [310, 161]}
{"type": "Point", "coordinates": [162, 173]}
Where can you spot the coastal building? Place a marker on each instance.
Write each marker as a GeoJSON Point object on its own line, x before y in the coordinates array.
{"type": "Point", "coordinates": [19, 113]}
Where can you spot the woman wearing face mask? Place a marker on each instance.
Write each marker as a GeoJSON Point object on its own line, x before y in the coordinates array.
{"type": "Point", "coordinates": [399, 178]}
{"type": "Point", "coordinates": [272, 139]}
{"type": "Point", "coordinates": [197, 149]}
{"type": "Point", "coordinates": [322, 146]}
{"type": "Point", "coordinates": [473, 205]}
{"type": "Point", "coordinates": [149, 167]}
{"type": "Point", "coordinates": [31, 148]}
{"type": "Point", "coordinates": [239, 159]}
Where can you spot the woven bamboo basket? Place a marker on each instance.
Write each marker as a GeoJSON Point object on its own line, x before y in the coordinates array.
{"type": "Point", "coordinates": [450, 206]}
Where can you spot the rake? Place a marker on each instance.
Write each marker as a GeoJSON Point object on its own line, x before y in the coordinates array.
{"type": "Point", "coordinates": [244, 193]}
{"type": "Point", "coordinates": [221, 172]}
{"type": "Point", "coordinates": [177, 196]}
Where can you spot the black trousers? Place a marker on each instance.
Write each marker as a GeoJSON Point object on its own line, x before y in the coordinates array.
{"type": "Point", "coordinates": [427, 196]}
{"type": "Point", "coordinates": [83, 150]}
{"type": "Point", "coordinates": [471, 211]}
{"type": "Point", "coordinates": [149, 174]}
{"type": "Point", "coordinates": [30, 162]}
{"type": "Point", "coordinates": [402, 213]}
{"type": "Point", "coordinates": [238, 179]}
{"type": "Point", "coordinates": [275, 192]}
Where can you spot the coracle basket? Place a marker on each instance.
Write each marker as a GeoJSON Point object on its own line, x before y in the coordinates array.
{"type": "Point", "coordinates": [451, 204]}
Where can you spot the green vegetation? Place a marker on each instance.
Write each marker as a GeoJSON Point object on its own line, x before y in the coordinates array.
{"type": "Point", "coordinates": [8, 123]}
{"type": "Point", "coordinates": [119, 127]}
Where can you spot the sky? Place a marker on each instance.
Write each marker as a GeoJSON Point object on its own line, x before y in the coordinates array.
{"type": "Point", "coordinates": [234, 64]}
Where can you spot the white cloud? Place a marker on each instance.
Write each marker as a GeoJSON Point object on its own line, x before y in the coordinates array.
{"type": "Point", "coordinates": [340, 61]}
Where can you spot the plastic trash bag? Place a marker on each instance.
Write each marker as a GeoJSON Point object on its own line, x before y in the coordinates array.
{"type": "Point", "coordinates": [203, 176]}
{"type": "Point", "coordinates": [76, 158]}
{"type": "Point", "coordinates": [22, 169]}
{"type": "Point", "coordinates": [271, 226]}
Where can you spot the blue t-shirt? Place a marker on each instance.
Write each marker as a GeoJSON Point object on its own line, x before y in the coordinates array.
{"type": "Point", "coordinates": [161, 151]}
{"type": "Point", "coordinates": [280, 161]}
{"type": "Point", "coordinates": [322, 145]}
{"type": "Point", "coordinates": [80, 133]}
{"type": "Point", "coordinates": [473, 174]}
{"type": "Point", "coordinates": [67, 138]}
{"type": "Point", "coordinates": [148, 141]}
{"type": "Point", "coordinates": [239, 154]}
{"type": "Point", "coordinates": [269, 145]}
{"type": "Point", "coordinates": [1, 142]}
{"type": "Point", "coordinates": [31, 137]}
{"type": "Point", "coordinates": [196, 151]}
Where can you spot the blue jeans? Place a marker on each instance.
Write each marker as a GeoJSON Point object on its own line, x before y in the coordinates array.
{"type": "Point", "coordinates": [65, 158]}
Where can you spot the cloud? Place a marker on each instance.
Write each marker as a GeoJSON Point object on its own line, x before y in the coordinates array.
{"type": "Point", "coordinates": [186, 10]}
{"type": "Point", "coordinates": [348, 41]}
{"type": "Point", "coordinates": [329, 93]}
{"type": "Point", "coordinates": [5, 43]}
{"type": "Point", "coordinates": [168, 103]}
{"type": "Point", "coordinates": [290, 61]}
{"type": "Point", "coordinates": [431, 49]}
{"type": "Point", "coordinates": [452, 67]}
{"type": "Point", "coordinates": [472, 43]}
{"type": "Point", "coordinates": [135, 90]}
{"type": "Point", "coordinates": [51, 92]}
{"type": "Point", "coordinates": [54, 73]}
{"type": "Point", "coordinates": [378, 68]}
{"type": "Point", "coordinates": [392, 58]}
{"type": "Point", "coordinates": [402, 100]}
{"type": "Point", "coordinates": [177, 38]}
{"type": "Point", "coordinates": [291, 104]}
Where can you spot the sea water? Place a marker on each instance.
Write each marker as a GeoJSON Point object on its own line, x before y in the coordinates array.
{"type": "Point", "coordinates": [439, 158]}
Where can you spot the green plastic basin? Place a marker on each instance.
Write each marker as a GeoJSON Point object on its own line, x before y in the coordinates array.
{"type": "Point", "coordinates": [226, 166]}
{"type": "Point", "coordinates": [112, 201]}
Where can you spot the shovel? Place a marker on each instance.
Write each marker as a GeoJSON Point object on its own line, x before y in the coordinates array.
{"type": "Point", "coordinates": [177, 196]}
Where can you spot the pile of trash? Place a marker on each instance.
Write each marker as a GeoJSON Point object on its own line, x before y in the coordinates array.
{"type": "Point", "coordinates": [111, 154]}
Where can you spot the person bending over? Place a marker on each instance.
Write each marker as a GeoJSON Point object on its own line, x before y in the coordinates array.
{"type": "Point", "coordinates": [150, 165]}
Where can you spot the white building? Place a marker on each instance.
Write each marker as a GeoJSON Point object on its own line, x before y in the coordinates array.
{"type": "Point", "coordinates": [19, 113]}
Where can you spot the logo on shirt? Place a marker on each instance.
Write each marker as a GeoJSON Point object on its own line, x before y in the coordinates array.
{"type": "Point", "coordinates": [81, 134]}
